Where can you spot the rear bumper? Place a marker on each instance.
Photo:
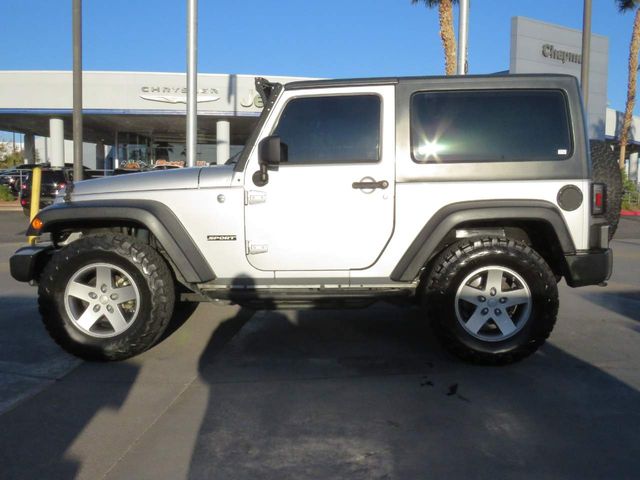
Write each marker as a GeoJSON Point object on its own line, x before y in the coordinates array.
{"type": "Point", "coordinates": [27, 263]}
{"type": "Point", "coordinates": [589, 268]}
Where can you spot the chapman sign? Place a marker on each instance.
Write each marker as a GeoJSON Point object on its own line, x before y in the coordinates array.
{"type": "Point", "coordinates": [549, 51]}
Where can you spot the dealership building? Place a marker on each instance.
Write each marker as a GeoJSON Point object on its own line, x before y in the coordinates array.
{"type": "Point", "coordinates": [139, 117]}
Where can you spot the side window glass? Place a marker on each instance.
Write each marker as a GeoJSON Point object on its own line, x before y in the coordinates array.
{"type": "Point", "coordinates": [338, 129]}
{"type": "Point", "coordinates": [490, 126]}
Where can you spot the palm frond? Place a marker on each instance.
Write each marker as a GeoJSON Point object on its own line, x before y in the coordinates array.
{"type": "Point", "coordinates": [430, 3]}
{"type": "Point", "coordinates": [626, 5]}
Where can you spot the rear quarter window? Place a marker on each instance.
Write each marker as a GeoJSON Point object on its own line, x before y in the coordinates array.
{"type": "Point", "coordinates": [490, 126]}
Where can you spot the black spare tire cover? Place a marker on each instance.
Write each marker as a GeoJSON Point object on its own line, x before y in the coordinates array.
{"type": "Point", "coordinates": [605, 169]}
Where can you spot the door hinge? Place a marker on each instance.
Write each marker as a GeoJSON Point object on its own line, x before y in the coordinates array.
{"type": "Point", "coordinates": [255, 248]}
{"type": "Point", "coordinates": [252, 197]}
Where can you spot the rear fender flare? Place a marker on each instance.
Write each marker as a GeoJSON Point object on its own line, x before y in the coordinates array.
{"type": "Point", "coordinates": [426, 243]}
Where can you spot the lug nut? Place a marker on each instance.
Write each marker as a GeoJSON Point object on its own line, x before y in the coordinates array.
{"type": "Point", "coordinates": [114, 296]}
{"type": "Point", "coordinates": [482, 299]}
{"type": "Point", "coordinates": [93, 295]}
{"type": "Point", "coordinates": [109, 308]}
{"type": "Point", "coordinates": [484, 311]}
{"type": "Point", "coordinates": [96, 308]}
{"type": "Point", "coordinates": [503, 300]}
{"type": "Point", "coordinates": [493, 291]}
{"type": "Point", "coordinates": [497, 311]}
{"type": "Point", "coordinates": [103, 289]}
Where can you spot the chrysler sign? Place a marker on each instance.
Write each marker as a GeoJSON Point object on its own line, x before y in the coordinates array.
{"type": "Point", "coordinates": [156, 93]}
{"type": "Point", "coordinates": [177, 94]}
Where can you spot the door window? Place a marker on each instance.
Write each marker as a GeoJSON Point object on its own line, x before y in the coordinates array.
{"type": "Point", "coordinates": [339, 129]}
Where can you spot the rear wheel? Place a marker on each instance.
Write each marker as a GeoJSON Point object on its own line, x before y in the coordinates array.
{"type": "Point", "coordinates": [106, 297]}
{"type": "Point", "coordinates": [491, 300]}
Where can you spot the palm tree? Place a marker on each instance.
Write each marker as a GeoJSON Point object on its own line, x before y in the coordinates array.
{"type": "Point", "coordinates": [627, 6]}
{"type": "Point", "coordinates": [447, 34]}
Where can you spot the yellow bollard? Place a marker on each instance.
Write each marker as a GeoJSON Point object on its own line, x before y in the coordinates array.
{"type": "Point", "coordinates": [36, 183]}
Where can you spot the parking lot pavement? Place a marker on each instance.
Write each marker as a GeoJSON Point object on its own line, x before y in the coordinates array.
{"type": "Point", "coordinates": [345, 394]}
{"type": "Point", "coordinates": [29, 360]}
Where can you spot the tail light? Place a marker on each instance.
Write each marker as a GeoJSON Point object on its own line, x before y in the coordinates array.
{"type": "Point", "coordinates": [24, 186]}
{"type": "Point", "coordinates": [23, 202]}
{"type": "Point", "coordinates": [598, 198]}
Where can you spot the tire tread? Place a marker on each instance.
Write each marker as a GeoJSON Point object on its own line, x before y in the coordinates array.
{"type": "Point", "coordinates": [440, 278]}
{"type": "Point", "coordinates": [158, 278]}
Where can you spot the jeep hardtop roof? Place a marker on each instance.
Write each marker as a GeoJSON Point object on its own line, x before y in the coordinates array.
{"type": "Point", "coordinates": [304, 84]}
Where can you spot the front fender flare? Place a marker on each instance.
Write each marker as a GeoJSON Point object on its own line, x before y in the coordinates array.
{"type": "Point", "coordinates": [153, 215]}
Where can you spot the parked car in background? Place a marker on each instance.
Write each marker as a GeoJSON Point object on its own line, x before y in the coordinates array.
{"type": "Point", "coordinates": [13, 177]}
{"type": "Point", "coordinates": [53, 181]}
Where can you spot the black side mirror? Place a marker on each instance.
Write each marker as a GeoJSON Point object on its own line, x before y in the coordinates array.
{"type": "Point", "coordinates": [270, 154]}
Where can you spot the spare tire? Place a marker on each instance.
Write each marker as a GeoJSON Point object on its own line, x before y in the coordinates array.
{"type": "Point", "coordinates": [605, 169]}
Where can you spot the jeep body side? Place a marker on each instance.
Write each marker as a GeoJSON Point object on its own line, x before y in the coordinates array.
{"type": "Point", "coordinates": [343, 196]}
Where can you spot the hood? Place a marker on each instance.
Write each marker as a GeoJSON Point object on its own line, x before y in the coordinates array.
{"type": "Point", "coordinates": [216, 176]}
{"type": "Point", "coordinates": [182, 178]}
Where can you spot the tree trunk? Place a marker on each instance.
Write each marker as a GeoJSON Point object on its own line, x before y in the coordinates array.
{"type": "Point", "coordinates": [445, 10]}
{"type": "Point", "coordinates": [631, 87]}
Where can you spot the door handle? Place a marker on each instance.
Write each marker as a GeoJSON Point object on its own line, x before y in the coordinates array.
{"type": "Point", "coordinates": [370, 185]}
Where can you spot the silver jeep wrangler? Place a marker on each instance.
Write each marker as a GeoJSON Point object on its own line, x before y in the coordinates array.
{"type": "Point", "coordinates": [471, 196]}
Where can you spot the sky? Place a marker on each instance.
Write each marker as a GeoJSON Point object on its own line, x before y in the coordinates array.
{"type": "Point", "coordinates": [332, 38]}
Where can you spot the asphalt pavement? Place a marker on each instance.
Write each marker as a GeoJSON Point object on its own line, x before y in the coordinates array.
{"type": "Point", "coordinates": [237, 394]}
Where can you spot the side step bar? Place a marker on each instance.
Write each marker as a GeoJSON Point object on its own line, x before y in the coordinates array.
{"type": "Point", "coordinates": [265, 298]}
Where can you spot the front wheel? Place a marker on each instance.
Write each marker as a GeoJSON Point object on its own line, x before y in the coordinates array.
{"type": "Point", "coordinates": [106, 297]}
{"type": "Point", "coordinates": [491, 300]}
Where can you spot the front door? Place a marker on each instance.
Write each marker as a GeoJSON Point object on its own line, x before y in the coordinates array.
{"type": "Point", "coordinates": [330, 205]}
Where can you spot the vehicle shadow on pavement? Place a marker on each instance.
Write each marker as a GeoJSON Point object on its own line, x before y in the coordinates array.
{"type": "Point", "coordinates": [624, 302]}
{"type": "Point", "coordinates": [46, 437]}
{"type": "Point", "coordinates": [369, 394]}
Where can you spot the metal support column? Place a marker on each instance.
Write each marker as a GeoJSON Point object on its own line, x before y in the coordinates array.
{"type": "Point", "coordinates": [192, 81]}
{"type": "Point", "coordinates": [100, 155]}
{"type": "Point", "coordinates": [463, 34]}
{"type": "Point", "coordinates": [586, 53]}
{"type": "Point", "coordinates": [633, 167]}
{"type": "Point", "coordinates": [77, 90]}
{"type": "Point", "coordinates": [223, 141]}
{"type": "Point", "coordinates": [116, 153]}
{"type": "Point", "coordinates": [56, 134]}
{"type": "Point", "coordinates": [29, 148]}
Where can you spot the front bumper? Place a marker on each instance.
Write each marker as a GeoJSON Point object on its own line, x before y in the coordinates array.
{"type": "Point", "coordinates": [589, 268]}
{"type": "Point", "coordinates": [27, 263]}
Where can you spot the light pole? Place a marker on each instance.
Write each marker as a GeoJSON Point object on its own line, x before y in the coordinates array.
{"type": "Point", "coordinates": [463, 33]}
{"type": "Point", "coordinates": [192, 81]}
{"type": "Point", "coordinates": [586, 52]}
{"type": "Point", "coordinates": [77, 90]}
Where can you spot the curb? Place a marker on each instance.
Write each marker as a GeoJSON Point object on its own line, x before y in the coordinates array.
{"type": "Point", "coordinates": [10, 207]}
{"type": "Point", "coordinates": [630, 213]}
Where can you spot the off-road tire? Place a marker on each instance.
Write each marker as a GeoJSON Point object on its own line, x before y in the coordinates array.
{"type": "Point", "coordinates": [605, 169]}
{"type": "Point", "coordinates": [450, 269]}
{"type": "Point", "coordinates": [150, 274]}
